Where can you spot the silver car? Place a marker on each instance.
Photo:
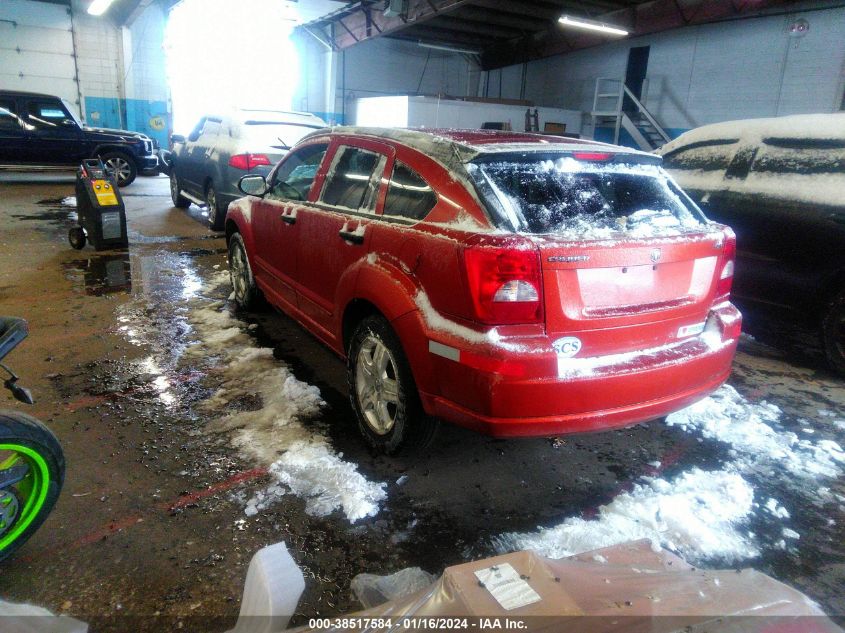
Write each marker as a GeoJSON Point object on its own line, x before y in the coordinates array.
{"type": "Point", "coordinates": [207, 165]}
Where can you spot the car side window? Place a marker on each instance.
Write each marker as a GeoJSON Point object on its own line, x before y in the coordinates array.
{"type": "Point", "coordinates": [707, 156]}
{"type": "Point", "coordinates": [48, 115]}
{"type": "Point", "coordinates": [210, 129]}
{"type": "Point", "coordinates": [408, 194]}
{"type": "Point", "coordinates": [294, 177]}
{"type": "Point", "coordinates": [8, 118]}
{"type": "Point", "coordinates": [195, 133]}
{"type": "Point", "coordinates": [352, 181]}
{"type": "Point", "coordinates": [801, 156]}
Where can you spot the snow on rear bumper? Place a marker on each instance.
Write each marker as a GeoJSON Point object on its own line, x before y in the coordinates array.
{"type": "Point", "coordinates": [536, 393]}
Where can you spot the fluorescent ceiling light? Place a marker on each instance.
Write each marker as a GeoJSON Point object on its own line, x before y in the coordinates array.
{"type": "Point", "coordinates": [591, 25]}
{"type": "Point", "coordinates": [451, 49]}
{"type": "Point", "coordinates": [99, 7]}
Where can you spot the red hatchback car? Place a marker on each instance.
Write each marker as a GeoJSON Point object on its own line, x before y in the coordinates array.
{"type": "Point", "coordinates": [515, 284]}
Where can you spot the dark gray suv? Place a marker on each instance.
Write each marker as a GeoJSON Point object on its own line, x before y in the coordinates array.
{"type": "Point", "coordinates": [207, 165]}
{"type": "Point", "coordinates": [42, 130]}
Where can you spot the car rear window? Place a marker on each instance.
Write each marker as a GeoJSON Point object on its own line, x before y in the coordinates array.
{"type": "Point", "coordinates": [274, 133]}
{"type": "Point", "coordinates": [561, 195]}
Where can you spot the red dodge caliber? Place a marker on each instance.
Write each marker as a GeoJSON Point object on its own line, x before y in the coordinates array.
{"type": "Point", "coordinates": [515, 284]}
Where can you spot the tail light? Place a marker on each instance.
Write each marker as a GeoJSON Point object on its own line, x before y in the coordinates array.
{"type": "Point", "coordinates": [504, 281]}
{"type": "Point", "coordinates": [248, 161]}
{"type": "Point", "coordinates": [726, 270]}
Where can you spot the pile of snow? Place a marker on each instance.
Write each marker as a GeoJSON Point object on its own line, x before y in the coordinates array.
{"type": "Point", "coordinates": [697, 514]}
{"type": "Point", "coordinates": [313, 471]}
{"type": "Point", "coordinates": [756, 442]}
{"type": "Point", "coordinates": [70, 201]}
{"type": "Point", "coordinates": [269, 415]}
{"type": "Point", "coordinates": [701, 514]}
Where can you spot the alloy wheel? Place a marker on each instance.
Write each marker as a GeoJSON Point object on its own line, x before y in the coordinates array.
{"type": "Point", "coordinates": [377, 385]}
{"type": "Point", "coordinates": [119, 167]}
{"type": "Point", "coordinates": [239, 272]}
{"type": "Point", "coordinates": [211, 201]}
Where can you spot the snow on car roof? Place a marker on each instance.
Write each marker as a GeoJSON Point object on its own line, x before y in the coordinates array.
{"type": "Point", "coordinates": [798, 126]}
{"type": "Point", "coordinates": [455, 147]}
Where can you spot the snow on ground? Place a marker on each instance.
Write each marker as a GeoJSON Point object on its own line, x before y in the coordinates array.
{"type": "Point", "coordinates": [698, 514]}
{"type": "Point", "coordinates": [757, 442]}
{"type": "Point", "coordinates": [70, 201]}
{"type": "Point", "coordinates": [269, 414]}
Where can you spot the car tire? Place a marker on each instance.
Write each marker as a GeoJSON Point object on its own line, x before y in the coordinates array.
{"type": "Point", "coordinates": [77, 238]}
{"type": "Point", "coordinates": [122, 166]}
{"type": "Point", "coordinates": [382, 391]}
{"type": "Point", "coordinates": [178, 199]}
{"type": "Point", "coordinates": [216, 215]}
{"type": "Point", "coordinates": [247, 294]}
{"type": "Point", "coordinates": [833, 333]}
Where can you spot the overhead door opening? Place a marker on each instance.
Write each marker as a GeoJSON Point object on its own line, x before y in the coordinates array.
{"type": "Point", "coordinates": [223, 55]}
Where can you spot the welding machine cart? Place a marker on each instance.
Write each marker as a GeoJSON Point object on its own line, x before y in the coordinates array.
{"type": "Point", "coordinates": [99, 206]}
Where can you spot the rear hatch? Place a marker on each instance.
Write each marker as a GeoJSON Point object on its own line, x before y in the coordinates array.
{"type": "Point", "coordinates": [628, 262]}
{"type": "Point", "coordinates": [267, 140]}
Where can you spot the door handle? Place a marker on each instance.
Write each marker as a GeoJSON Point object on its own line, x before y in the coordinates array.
{"type": "Point", "coordinates": [349, 236]}
{"type": "Point", "coordinates": [288, 216]}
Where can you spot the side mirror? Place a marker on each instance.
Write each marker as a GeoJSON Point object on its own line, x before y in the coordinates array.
{"type": "Point", "coordinates": [253, 185]}
{"type": "Point", "coordinates": [176, 138]}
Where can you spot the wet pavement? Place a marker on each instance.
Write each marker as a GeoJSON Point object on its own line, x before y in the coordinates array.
{"type": "Point", "coordinates": [152, 523]}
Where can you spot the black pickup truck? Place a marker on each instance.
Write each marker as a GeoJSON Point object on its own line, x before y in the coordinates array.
{"type": "Point", "coordinates": [42, 131]}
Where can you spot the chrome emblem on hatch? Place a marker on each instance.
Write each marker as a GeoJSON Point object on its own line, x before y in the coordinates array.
{"type": "Point", "coordinates": [655, 255]}
{"type": "Point", "coordinates": [567, 346]}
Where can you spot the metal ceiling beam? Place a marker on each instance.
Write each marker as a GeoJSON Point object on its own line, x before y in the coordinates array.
{"type": "Point", "coordinates": [479, 28]}
{"type": "Point", "coordinates": [603, 5]}
{"type": "Point", "coordinates": [531, 9]}
{"type": "Point", "coordinates": [430, 33]}
{"type": "Point", "coordinates": [367, 20]}
{"type": "Point", "coordinates": [640, 19]}
{"type": "Point", "coordinates": [488, 16]}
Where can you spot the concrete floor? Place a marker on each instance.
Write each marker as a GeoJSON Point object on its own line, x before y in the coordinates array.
{"type": "Point", "coordinates": [151, 519]}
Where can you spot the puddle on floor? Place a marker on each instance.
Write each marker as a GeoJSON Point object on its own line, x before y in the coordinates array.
{"type": "Point", "coordinates": [100, 274]}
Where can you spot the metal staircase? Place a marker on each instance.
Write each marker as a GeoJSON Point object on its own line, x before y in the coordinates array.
{"type": "Point", "coordinates": [608, 104]}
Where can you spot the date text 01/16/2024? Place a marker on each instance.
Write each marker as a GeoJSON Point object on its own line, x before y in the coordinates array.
{"type": "Point", "coordinates": [417, 623]}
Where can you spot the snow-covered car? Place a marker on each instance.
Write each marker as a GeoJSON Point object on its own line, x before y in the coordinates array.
{"type": "Point", "coordinates": [205, 167]}
{"type": "Point", "coordinates": [515, 284]}
{"type": "Point", "coordinates": [780, 184]}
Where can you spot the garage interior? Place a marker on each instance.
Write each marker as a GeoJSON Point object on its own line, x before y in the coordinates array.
{"type": "Point", "coordinates": [188, 449]}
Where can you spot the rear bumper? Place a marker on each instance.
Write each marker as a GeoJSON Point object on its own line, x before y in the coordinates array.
{"type": "Point", "coordinates": [515, 399]}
